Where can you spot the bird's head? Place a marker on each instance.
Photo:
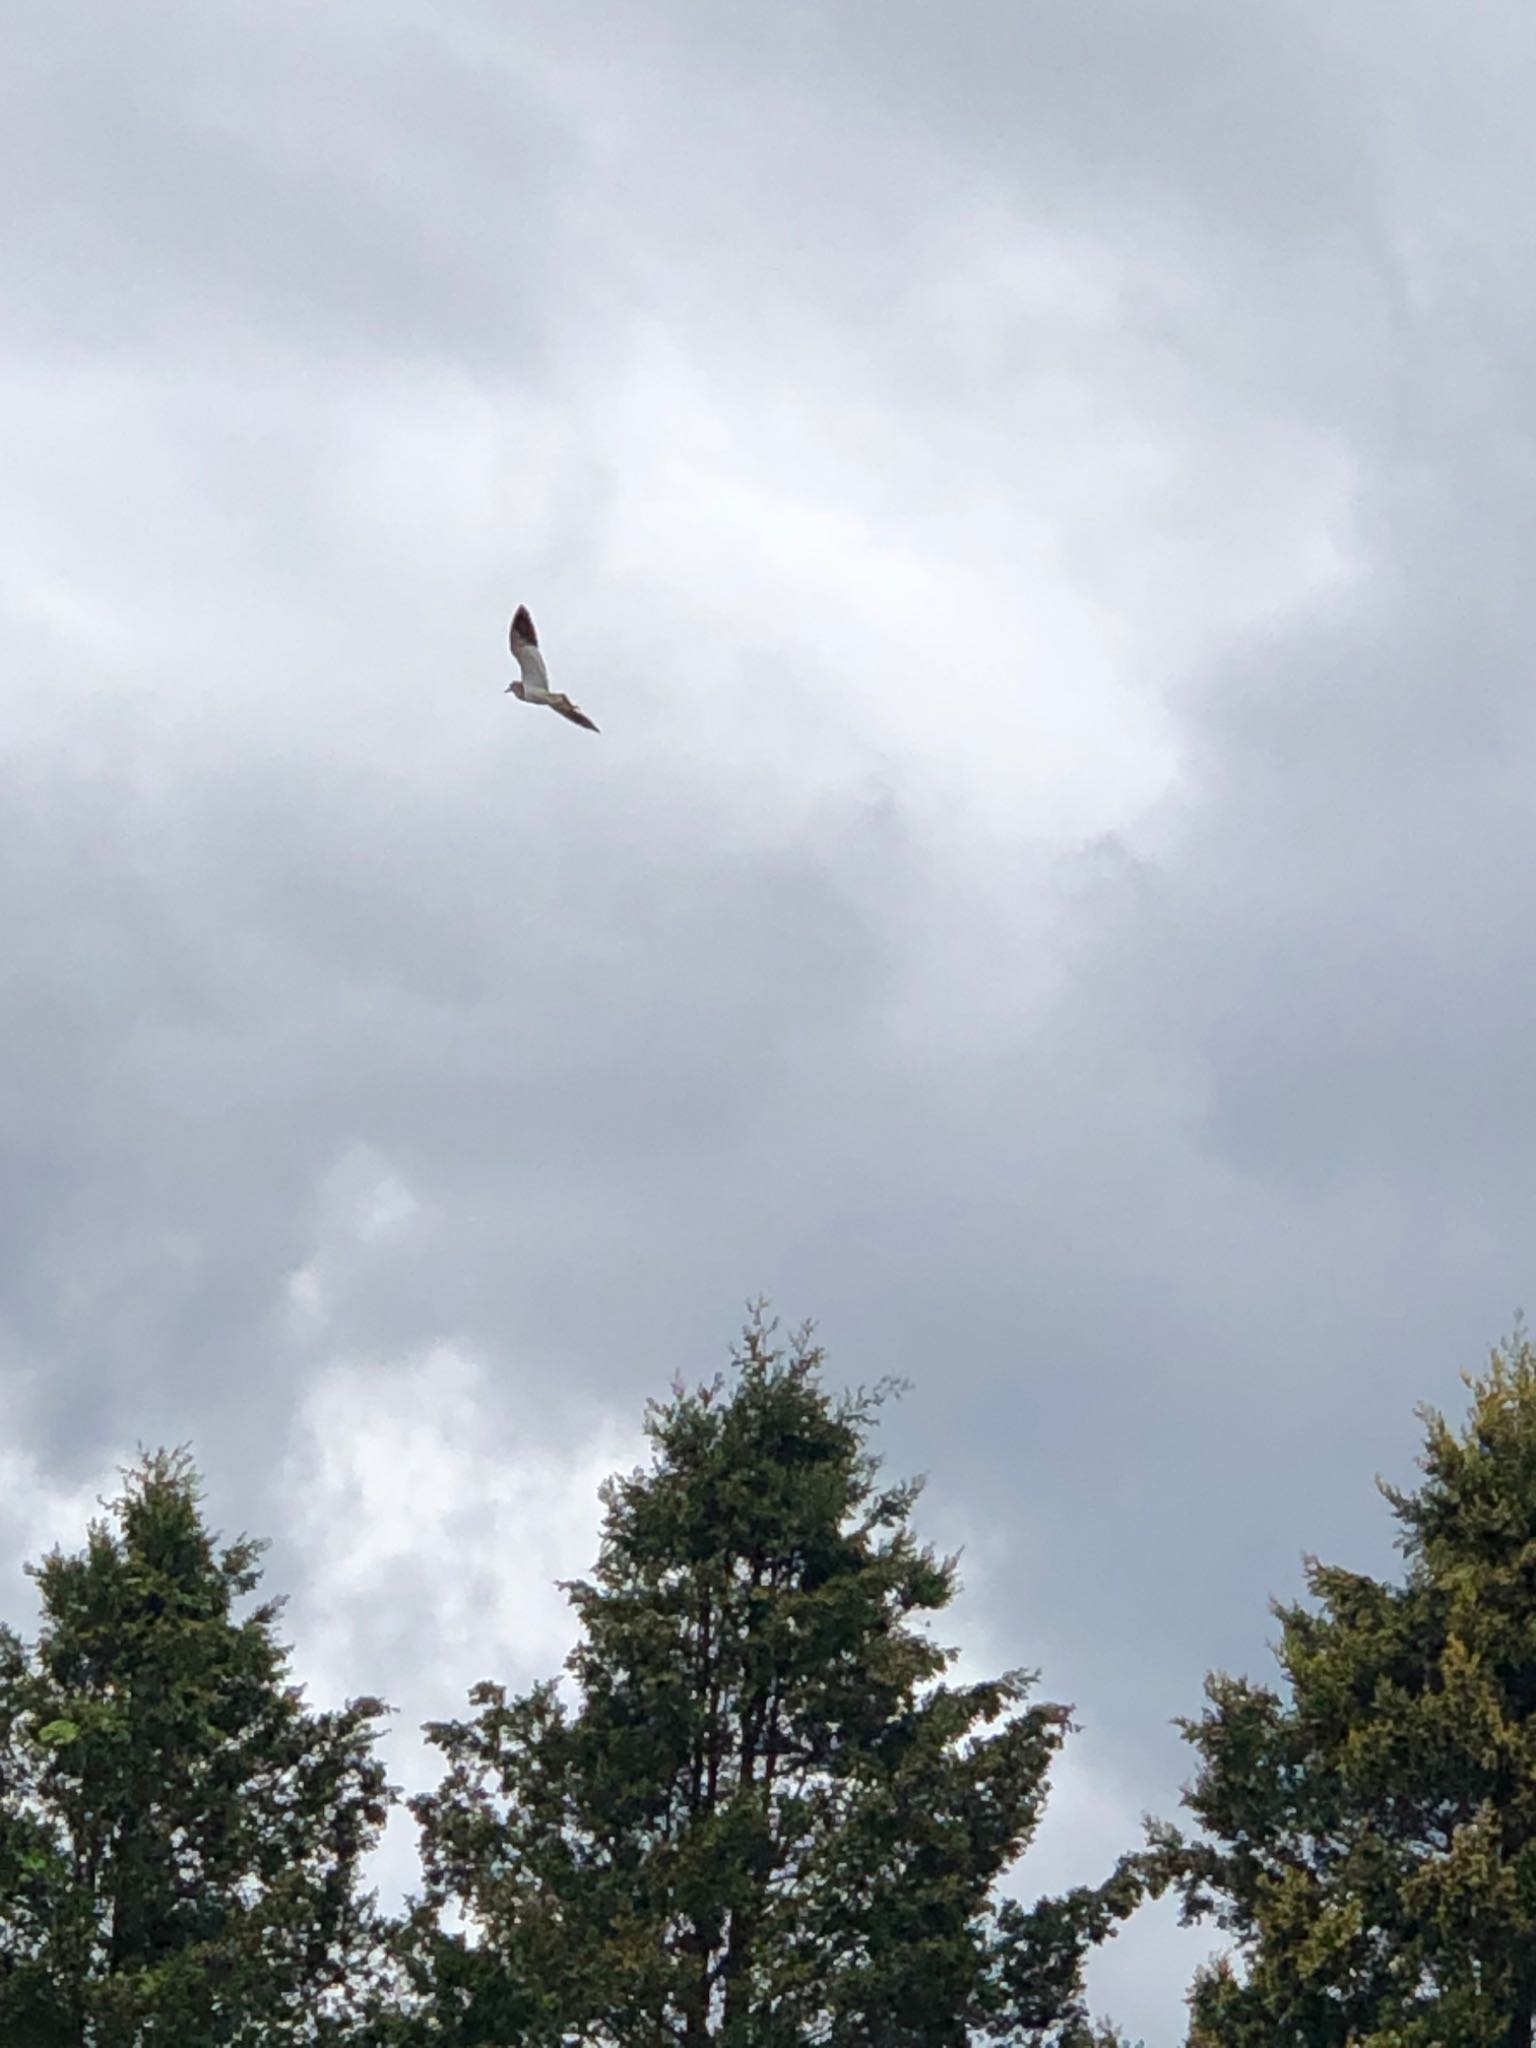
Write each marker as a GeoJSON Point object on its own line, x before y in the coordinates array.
{"type": "Point", "coordinates": [515, 687]}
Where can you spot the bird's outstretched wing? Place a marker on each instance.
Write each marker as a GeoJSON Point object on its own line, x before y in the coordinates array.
{"type": "Point", "coordinates": [571, 711]}
{"type": "Point", "coordinates": [524, 642]}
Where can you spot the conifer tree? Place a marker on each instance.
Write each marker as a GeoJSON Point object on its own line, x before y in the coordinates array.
{"type": "Point", "coordinates": [179, 1835]}
{"type": "Point", "coordinates": [768, 1820]}
{"type": "Point", "coordinates": [1370, 1833]}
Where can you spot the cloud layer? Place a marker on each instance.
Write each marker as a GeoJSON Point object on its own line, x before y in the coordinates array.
{"type": "Point", "coordinates": [1038, 502]}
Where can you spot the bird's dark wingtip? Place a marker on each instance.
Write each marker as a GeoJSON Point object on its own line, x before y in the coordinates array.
{"type": "Point", "coordinates": [522, 626]}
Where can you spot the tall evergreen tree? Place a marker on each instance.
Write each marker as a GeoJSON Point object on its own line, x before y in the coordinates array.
{"type": "Point", "coordinates": [768, 1821]}
{"type": "Point", "coordinates": [179, 1835]}
{"type": "Point", "coordinates": [1371, 1835]}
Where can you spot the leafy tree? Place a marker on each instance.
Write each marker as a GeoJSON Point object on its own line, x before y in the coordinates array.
{"type": "Point", "coordinates": [1371, 1836]}
{"type": "Point", "coordinates": [179, 1835]}
{"type": "Point", "coordinates": [768, 1821]}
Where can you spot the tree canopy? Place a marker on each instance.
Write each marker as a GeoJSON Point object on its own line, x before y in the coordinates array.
{"type": "Point", "coordinates": [180, 1837]}
{"type": "Point", "coordinates": [761, 1810]}
{"type": "Point", "coordinates": [1370, 1832]}
{"type": "Point", "coordinates": [766, 1818]}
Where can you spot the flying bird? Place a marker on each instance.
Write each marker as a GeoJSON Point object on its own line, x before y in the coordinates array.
{"type": "Point", "coordinates": [532, 683]}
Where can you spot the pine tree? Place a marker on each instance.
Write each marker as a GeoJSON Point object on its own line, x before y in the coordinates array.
{"type": "Point", "coordinates": [768, 1821]}
{"type": "Point", "coordinates": [1371, 1835]}
{"type": "Point", "coordinates": [179, 1835]}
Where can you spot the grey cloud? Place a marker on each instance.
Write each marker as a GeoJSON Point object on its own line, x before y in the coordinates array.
{"type": "Point", "coordinates": [227, 992]}
{"type": "Point", "coordinates": [176, 187]}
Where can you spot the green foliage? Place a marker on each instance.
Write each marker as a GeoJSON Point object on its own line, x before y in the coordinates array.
{"type": "Point", "coordinates": [769, 1821]}
{"type": "Point", "coordinates": [1370, 1840]}
{"type": "Point", "coordinates": [179, 1836]}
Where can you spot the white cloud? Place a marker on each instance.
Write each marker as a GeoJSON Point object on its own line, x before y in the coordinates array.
{"type": "Point", "coordinates": [431, 1523]}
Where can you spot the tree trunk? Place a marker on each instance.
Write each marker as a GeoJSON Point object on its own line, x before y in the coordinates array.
{"type": "Point", "coordinates": [693, 1995]}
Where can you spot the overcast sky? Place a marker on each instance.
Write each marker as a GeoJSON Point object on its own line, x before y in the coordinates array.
{"type": "Point", "coordinates": [1039, 499]}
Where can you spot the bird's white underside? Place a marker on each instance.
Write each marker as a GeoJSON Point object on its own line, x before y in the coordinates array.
{"type": "Point", "coordinates": [530, 666]}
